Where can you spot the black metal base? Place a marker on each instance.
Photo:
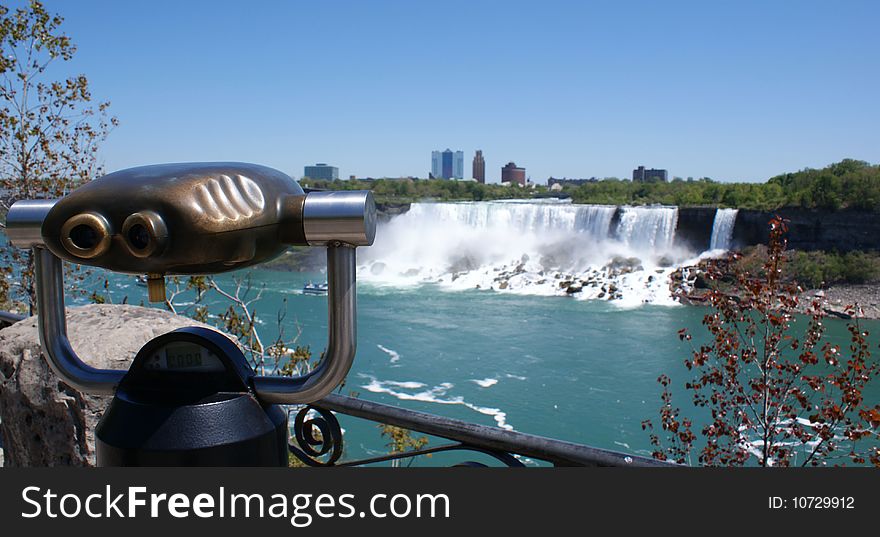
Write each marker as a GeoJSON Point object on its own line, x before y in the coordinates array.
{"type": "Point", "coordinates": [231, 429]}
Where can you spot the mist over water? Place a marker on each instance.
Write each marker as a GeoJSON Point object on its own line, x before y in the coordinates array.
{"type": "Point", "coordinates": [531, 247]}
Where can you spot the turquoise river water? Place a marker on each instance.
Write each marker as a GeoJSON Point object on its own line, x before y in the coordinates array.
{"type": "Point", "coordinates": [577, 370]}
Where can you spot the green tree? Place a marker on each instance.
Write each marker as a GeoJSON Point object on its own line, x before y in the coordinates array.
{"type": "Point", "coordinates": [827, 192]}
{"type": "Point", "coordinates": [401, 440]}
{"type": "Point", "coordinates": [50, 129]}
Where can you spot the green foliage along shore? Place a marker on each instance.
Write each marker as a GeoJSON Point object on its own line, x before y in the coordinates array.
{"type": "Point", "coordinates": [816, 269]}
{"type": "Point", "coordinates": [407, 190]}
{"type": "Point", "coordinates": [845, 184]}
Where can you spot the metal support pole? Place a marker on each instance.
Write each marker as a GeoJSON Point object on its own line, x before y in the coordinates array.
{"type": "Point", "coordinates": [341, 338]}
{"type": "Point", "coordinates": [53, 331]}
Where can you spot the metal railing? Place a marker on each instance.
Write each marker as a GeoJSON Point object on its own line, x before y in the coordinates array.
{"type": "Point", "coordinates": [8, 318]}
{"type": "Point", "coordinates": [317, 437]}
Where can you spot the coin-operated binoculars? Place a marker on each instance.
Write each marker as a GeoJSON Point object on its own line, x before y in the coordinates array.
{"type": "Point", "coordinates": [190, 397]}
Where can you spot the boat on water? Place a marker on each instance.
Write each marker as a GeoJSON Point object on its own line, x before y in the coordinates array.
{"type": "Point", "coordinates": [141, 280]}
{"type": "Point", "coordinates": [315, 288]}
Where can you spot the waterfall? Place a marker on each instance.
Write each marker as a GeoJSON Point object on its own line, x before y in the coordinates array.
{"type": "Point", "coordinates": [722, 229]}
{"type": "Point", "coordinates": [648, 227]}
{"type": "Point", "coordinates": [547, 247]}
{"type": "Point", "coordinates": [547, 217]}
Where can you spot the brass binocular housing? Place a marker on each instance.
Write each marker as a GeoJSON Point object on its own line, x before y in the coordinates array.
{"type": "Point", "coordinates": [198, 218]}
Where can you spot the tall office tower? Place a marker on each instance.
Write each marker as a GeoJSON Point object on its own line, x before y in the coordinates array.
{"type": "Point", "coordinates": [447, 165]}
{"type": "Point", "coordinates": [436, 167]}
{"type": "Point", "coordinates": [458, 165]}
{"type": "Point", "coordinates": [479, 172]}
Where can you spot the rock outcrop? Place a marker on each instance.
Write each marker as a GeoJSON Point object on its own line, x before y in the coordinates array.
{"type": "Point", "coordinates": [693, 230]}
{"type": "Point", "coordinates": [43, 421]}
{"type": "Point", "coordinates": [809, 229]}
{"type": "Point", "coordinates": [387, 210]}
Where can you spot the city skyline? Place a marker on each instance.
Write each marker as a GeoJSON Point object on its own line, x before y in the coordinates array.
{"type": "Point", "coordinates": [449, 165]}
{"type": "Point", "coordinates": [738, 92]}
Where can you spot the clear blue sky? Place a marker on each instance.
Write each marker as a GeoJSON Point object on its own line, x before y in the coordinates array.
{"type": "Point", "coordinates": [731, 90]}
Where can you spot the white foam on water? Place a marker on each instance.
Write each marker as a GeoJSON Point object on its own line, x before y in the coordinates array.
{"type": "Point", "coordinates": [525, 460]}
{"type": "Point", "coordinates": [436, 394]}
{"type": "Point", "coordinates": [485, 383]}
{"type": "Point", "coordinates": [409, 385]}
{"type": "Point", "coordinates": [517, 377]}
{"type": "Point", "coordinates": [755, 445]}
{"type": "Point", "coordinates": [395, 356]}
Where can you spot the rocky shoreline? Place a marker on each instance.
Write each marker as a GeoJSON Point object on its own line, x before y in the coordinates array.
{"type": "Point", "coordinates": [837, 297]}
{"type": "Point", "coordinates": [690, 287]}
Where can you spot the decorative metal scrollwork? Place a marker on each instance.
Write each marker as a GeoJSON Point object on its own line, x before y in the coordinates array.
{"type": "Point", "coordinates": [317, 434]}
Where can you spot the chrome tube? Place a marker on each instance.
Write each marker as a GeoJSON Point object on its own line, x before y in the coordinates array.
{"type": "Point", "coordinates": [25, 220]}
{"type": "Point", "coordinates": [341, 343]}
{"type": "Point", "coordinates": [53, 330]}
{"type": "Point", "coordinates": [343, 216]}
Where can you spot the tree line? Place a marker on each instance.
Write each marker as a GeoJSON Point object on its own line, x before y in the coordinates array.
{"type": "Point", "coordinates": [846, 184]}
{"type": "Point", "coordinates": [408, 190]}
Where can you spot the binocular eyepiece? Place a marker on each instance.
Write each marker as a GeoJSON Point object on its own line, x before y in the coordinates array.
{"type": "Point", "coordinates": [89, 235]}
{"type": "Point", "coordinates": [86, 235]}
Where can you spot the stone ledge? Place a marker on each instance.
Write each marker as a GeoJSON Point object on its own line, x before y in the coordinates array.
{"type": "Point", "coordinates": [43, 421]}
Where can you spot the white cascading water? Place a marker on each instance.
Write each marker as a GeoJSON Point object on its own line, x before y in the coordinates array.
{"type": "Point", "coordinates": [722, 229]}
{"type": "Point", "coordinates": [530, 247]}
{"type": "Point", "coordinates": [648, 228]}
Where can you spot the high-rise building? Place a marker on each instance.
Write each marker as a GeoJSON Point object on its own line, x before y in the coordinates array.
{"type": "Point", "coordinates": [447, 164]}
{"type": "Point", "coordinates": [511, 173]}
{"type": "Point", "coordinates": [321, 171]}
{"type": "Point", "coordinates": [479, 171]}
{"type": "Point", "coordinates": [643, 175]}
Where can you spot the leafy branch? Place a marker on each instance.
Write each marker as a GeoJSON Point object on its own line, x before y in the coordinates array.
{"type": "Point", "coordinates": [775, 396]}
